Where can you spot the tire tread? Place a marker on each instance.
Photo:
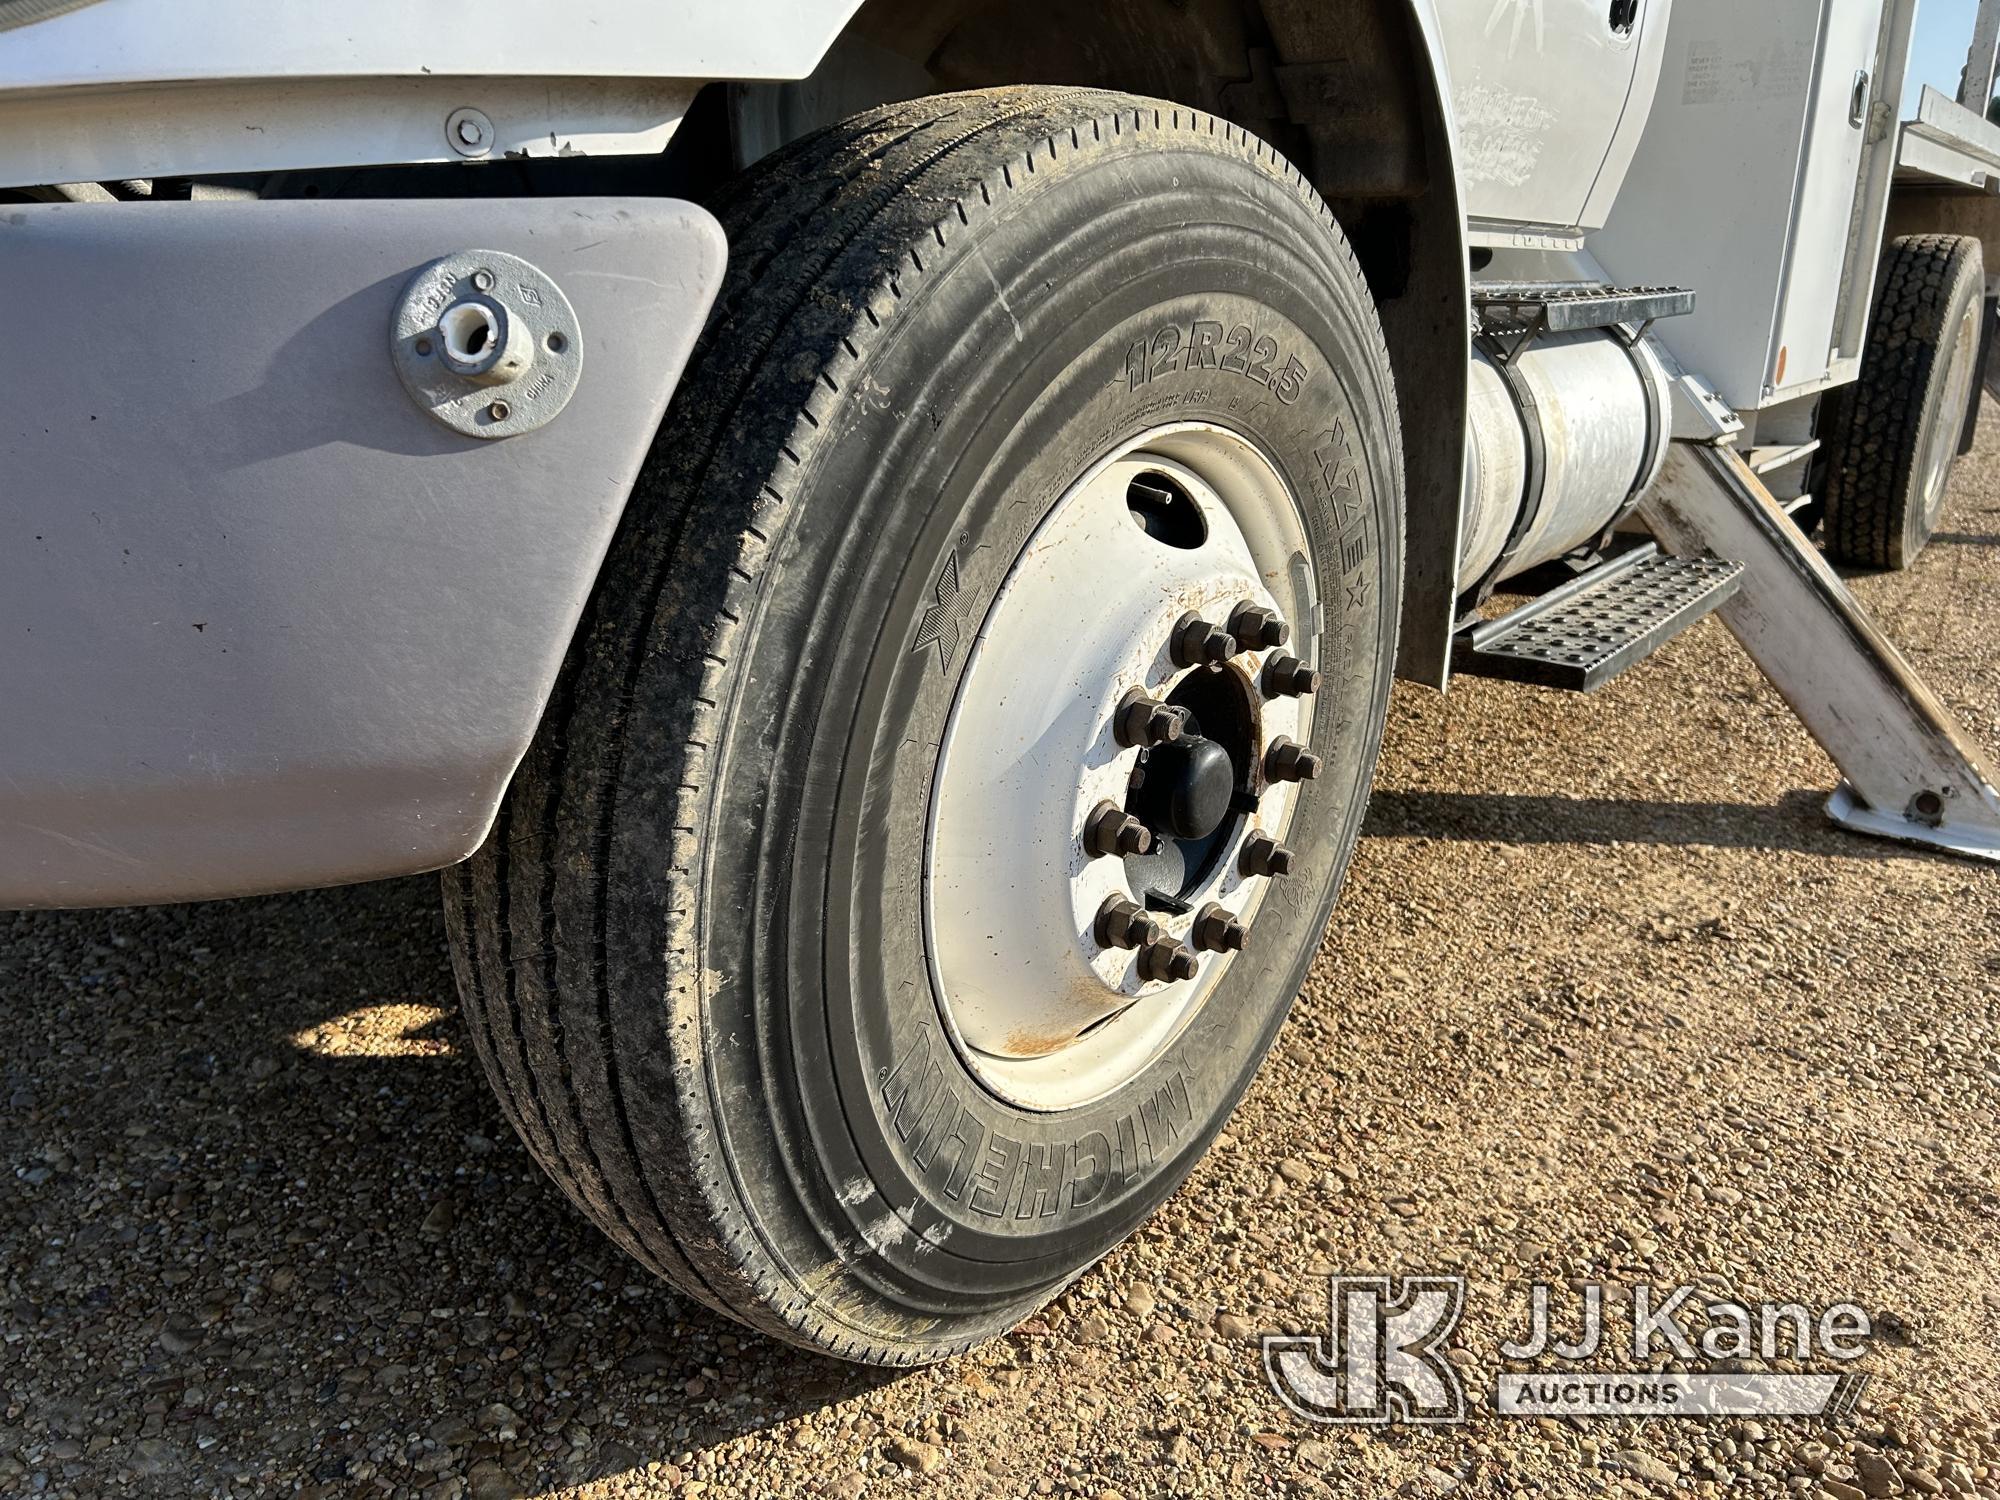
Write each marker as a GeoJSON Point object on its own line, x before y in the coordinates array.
{"type": "Point", "coordinates": [1878, 442]}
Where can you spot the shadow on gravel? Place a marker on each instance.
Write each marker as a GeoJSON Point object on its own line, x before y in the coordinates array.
{"type": "Point", "coordinates": [266, 1227]}
{"type": "Point", "coordinates": [1795, 821]}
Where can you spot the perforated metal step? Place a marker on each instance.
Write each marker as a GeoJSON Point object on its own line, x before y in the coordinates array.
{"type": "Point", "coordinates": [1585, 633]}
{"type": "Point", "coordinates": [1520, 307]}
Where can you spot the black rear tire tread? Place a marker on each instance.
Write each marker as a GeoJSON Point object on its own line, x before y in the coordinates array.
{"type": "Point", "coordinates": [527, 916]}
{"type": "Point", "coordinates": [1880, 424]}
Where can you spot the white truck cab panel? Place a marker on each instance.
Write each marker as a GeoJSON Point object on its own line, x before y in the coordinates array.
{"type": "Point", "coordinates": [140, 88]}
{"type": "Point", "coordinates": [1551, 96]}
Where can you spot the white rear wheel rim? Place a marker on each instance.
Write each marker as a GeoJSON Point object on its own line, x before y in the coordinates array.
{"type": "Point", "coordinates": [1041, 1012]}
{"type": "Point", "coordinates": [1948, 428]}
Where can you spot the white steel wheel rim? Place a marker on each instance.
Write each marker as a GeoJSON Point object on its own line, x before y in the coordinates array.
{"type": "Point", "coordinates": [1945, 431]}
{"type": "Point", "coordinates": [1041, 1013]}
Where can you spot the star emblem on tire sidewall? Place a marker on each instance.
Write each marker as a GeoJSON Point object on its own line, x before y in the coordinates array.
{"type": "Point", "coordinates": [942, 623]}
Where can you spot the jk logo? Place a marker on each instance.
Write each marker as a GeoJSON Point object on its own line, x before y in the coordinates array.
{"type": "Point", "coordinates": [1382, 1360]}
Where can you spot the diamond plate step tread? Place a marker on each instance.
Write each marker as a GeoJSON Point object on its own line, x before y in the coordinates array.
{"type": "Point", "coordinates": [1566, 306]}
{"type": "Point", "coordinates": [1595, 632]}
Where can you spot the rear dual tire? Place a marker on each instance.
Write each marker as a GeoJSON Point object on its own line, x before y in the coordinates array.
{"type": "Point", "coordinates": [1895, 434]}
{"type": "Point", "coordinates": [694, 953]}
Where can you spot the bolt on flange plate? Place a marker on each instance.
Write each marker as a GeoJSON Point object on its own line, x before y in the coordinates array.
{"type": "Point", "coordinates": [525, 326]}
{"type": "Point", "coordinates": [468, 132]}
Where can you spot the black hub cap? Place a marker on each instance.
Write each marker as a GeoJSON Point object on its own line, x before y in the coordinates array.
{"type": "Point", "coordinates": [1191, 791]}
{"type": "Point", "coordinates": [1189, 785]}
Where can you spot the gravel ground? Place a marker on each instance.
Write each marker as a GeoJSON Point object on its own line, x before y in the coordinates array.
{"type": "Point", "coordinates": [1605, 999]}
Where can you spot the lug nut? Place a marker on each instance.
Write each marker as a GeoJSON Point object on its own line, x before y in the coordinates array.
{"type": "Point", "coordinates": [1264, 855]}
{"type": "Point", "coordinates": [1163, 958]}
{"type": "Point", "coordinates": [1112, 830]}
{"type": "Point", "coordinates": [1142, 721]}
{"type": "Point", "coordinates": [1288, 677]}
{"type": "Point", "coordinates": [1125, 924]}
{"type": "Point", "coordinates": [1288, 761]}
{"type": "Point", "coordinates": [1256, 627]}
{"type": "Point", "coordinates": [1217, 930]}
{"type": "Point", "coordinates": [1197, 642]}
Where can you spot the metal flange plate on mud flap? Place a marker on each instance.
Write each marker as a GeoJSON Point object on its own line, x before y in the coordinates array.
{"type": "Point", "coordinates": [487, 344]}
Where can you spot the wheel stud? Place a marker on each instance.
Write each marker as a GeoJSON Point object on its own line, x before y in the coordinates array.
{"type": "Point", "coordinates": [1264, 855]}
{"type": "Point", "coordinates": [1112, 830]}
{"type": "Point", "coordinates": [1217, 930]}
{"type": "Point", "coordinates": [1289, 761]}
{"type": "Point", "coordinates": [1288, 677]}
{"type": "Point", "coordinates": [1163, 958]}
{"type": "Point", "coordinates": [1198, 642]}
{"type": "Point", "coordinates": [1122, 923]}
{"type": "Point", "coordinates": [1256, 627]}
{"type": "Point", "coordinates": [1142, 721]}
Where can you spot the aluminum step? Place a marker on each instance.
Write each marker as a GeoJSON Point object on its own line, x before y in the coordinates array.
{"type": "Point", "coordinates": [1581, 635]}
{"type": "Point", "coordinates": [1504, 308]}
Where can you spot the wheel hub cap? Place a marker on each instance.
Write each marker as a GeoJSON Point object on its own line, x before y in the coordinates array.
{"type": "Point", "coordinates": [1186, 788]}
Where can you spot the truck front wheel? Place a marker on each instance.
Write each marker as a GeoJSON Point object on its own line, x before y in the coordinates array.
{"type": "Point", "coordinates": [953, 773]}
